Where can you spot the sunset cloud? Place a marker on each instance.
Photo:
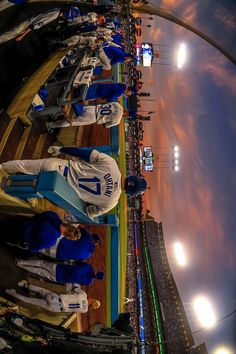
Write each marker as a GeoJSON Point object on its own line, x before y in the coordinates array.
{"type": "Point", "coordinates": [194, 200]}
{"type": "Point", "coordinates": [217, 66]}
{"type": "Point", "coordinates": [225, 17]}
{"type": "Point", "coordinates": [157, 34]}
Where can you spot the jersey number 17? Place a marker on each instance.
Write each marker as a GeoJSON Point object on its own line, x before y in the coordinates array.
{"type": "Point", "coordinates": [85, 185]}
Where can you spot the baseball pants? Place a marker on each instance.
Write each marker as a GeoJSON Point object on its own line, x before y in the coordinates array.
{"type": "Point", "coordinates": [33, 167]}
{"type": "Point", "coordinates": [44, 269]}
{"type": "Point", "coordinates": [87, 117]}
{"type": "Point", "coordinates": [33, 23]}
{"type": "Point", "coordinates": [49, 300]}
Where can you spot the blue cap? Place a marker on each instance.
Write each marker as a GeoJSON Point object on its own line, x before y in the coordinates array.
{"type": "Point", "coordinates": [99, 275]}
{"type": "Point", "coordinates": [71, 13]}
{"type": "Point", "coordinates": [135, 185]}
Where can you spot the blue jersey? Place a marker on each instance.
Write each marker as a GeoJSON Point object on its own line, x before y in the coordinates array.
{"type": "Point", "coordinates": [77, 250]}
{"type": "Point", "coordinates": [116, 39]}
{"type": "Point", "coordinates": [42, 231]}
{"type": "Point", "coordinates": [110, 92]}
{"type": "Point", "coordinates": [82, 274]}
{"type": "Point", "coordinates": [115, 54]}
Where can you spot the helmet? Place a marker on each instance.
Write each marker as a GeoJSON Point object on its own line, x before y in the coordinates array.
{"type": "Point", "coordinates": [135, 185]}
{"type": "Point", "coordinates": [71, 13]}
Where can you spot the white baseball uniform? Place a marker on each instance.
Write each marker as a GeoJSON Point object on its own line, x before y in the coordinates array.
{"type": "Point", "coordinates": [50, 301]}
{"type": "Point", "coordinates": [44, 269]}
{"type": "Point", "coordinates": [109, 114]}
{"type": "Point", "coordinates": [44, 19]}
{"type": "Point", "coordinates": [104, 60]}
{"type": "Point", "coordinates": [33, 22]}
{"type": "Point", "coordinates": [80, 41]}
{"type": "Point", "coordinates": [90, 18]}
{"type": "Point", "coordinates": [97, 182]}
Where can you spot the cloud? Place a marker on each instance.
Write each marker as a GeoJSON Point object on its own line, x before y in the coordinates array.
{"type": "Point", "coordinates": [225, 17]}
{"type": "Point", "coordinates": [171, 4]}
{"type": "Point", "coordinates": [217, 66]}
{"type": "Point", "coordinates": [182, 10]}
{"type": "Point", "coordinates": [156, 34]}
{"type": "Point", "coordinates": [188, 203]}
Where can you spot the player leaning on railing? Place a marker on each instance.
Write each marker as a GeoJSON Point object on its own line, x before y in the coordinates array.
{"type": "Point", "coordinates": [94, 176]}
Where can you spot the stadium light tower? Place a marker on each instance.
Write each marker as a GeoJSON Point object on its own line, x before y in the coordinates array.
{"type": "Point", "coordinates": [175, 158]}
{"type": "Point", "coordinates": [168, 157]}
{"type": "Point", "coordinates": [223, 350]}
{"type": "Point", "coordinates": [181, 56]}
{"type": "Point", "coordinates": [180, 254]}
{"type": "Point", "coordinates": [204, 311]}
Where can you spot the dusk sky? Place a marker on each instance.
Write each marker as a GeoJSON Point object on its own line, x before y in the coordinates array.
{"type": "Point", "coordinates": [196, 109]}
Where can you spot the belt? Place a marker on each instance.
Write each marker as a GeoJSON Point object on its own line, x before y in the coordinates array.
{"type": "Point", "coordinates": [66, 169]}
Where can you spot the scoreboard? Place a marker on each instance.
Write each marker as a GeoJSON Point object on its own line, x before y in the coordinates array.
{"type": "Point", "coordinates": [147, 158]}
{"type": "Point", "coordinates": [144, 54]}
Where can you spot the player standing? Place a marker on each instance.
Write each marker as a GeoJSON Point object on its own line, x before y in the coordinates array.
{"type": "Point", "coordinates": [109, 114]}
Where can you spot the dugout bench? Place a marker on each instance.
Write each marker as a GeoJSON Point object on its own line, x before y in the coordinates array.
{"type": "Point", "coordinates": [73, 77]}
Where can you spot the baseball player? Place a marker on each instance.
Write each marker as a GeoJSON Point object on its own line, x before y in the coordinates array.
{"type": "Point", "coordinates": [108, 114]}
{"type": "Point", "coordinates": [47, 234]}
{"type": "Point", "coordinates": [42, 231]}
{"type": "Point", "coordinates": [116, 54]}
{"type": "Point", "coordinates": [81, 41]}
{"type": "Point", "coordinates": [34, 23]}
{"type": "Point", "coordinates": [76, 301]}
{"type": "Point", "coordinates": [68, 249]}
{"type": "Point", "coordinates": [81, 273]}
{"type": "Point", "coordinates": [94, 176]}
{"type": "Point", "coordinates": [108, 92]}
{"type": "Point", "coordinates": [104, 63]}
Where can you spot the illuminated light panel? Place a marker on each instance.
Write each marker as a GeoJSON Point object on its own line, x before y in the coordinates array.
{"type": "Point", "coordinates": [179, 253]}
{"type": "Point", "coordinates": [223, 350]}
{"type": "Point", "coordinates": [176, 154]}
{"type": "Point", "coordinates": [176, 148]}
{"type": "Point", "coordinates": [176, 168]}
{"type": "Point", "coordinates": [204, 312]}
{"type": "Point", "coordinates": [181, 56]}
{"type": "Point", "coordinates": [146, 60]}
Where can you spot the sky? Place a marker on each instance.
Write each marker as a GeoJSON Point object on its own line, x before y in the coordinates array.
{"type": "Point", "coordinates": [195, 109]}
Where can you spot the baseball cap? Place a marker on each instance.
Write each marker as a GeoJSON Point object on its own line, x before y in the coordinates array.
{"type": "Point", "coordinates": [135, 185]}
